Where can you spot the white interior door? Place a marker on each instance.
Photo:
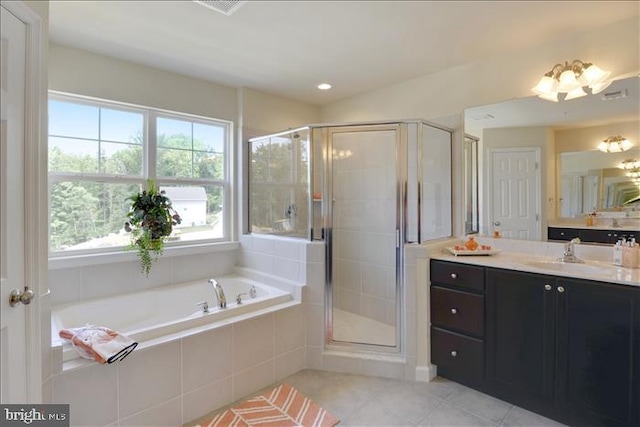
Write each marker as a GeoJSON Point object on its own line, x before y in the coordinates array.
{"type": "Point", "coordinates": [515, 192]}
{"type": "Point", "coordinates": [13, 369]}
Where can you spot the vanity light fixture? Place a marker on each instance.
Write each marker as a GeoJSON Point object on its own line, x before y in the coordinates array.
{"type": "Point", "coordinates": [615, 144]}
{"type": "Point", "coordinates": [570, 79]}
{"type": "Point", "coordinates": [635, 173]}
{"type": "Point", "coordinates": [629, 164]}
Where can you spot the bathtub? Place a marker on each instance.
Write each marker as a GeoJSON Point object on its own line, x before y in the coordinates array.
{"type": "Point", "coordinates": [174, 310]}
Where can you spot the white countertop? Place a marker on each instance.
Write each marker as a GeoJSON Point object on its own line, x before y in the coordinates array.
{"type": "Point", "coordinates": [590, 270]}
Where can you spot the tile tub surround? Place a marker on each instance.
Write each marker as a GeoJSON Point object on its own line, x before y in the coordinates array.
{"type": "Point", "coordinates": [182, 379]}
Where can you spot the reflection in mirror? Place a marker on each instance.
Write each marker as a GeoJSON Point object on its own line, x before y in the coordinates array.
{"type": "Point", "coordinates": [592, 181]}
{"type": "Point", "coordinates": [577, 178]}
{"type": "Point", "coordinates": [471, 225]}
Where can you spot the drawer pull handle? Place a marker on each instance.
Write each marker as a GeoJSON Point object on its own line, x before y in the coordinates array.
{"type": "Point", "coordinates": [454, 311]}
{"type": "Point", "coordinates": [454, 276]}
{"type": "Point", "coordinates": [454, 353]}
{"type": "Point", "coordinates": [560, 289]}
{"type": "Point", "coordinates": [547, 287]}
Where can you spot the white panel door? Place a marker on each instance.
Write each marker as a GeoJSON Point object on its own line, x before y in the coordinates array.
{"type": "Point", "coordinates": [13, 370]}
{"type": "Point", "coordinates": [515, 193]}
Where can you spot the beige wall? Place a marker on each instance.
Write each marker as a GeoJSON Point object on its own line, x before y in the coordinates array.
{"type": "Point", "coordinates": [263, 113]}
{"type": "Point", "coordinates": [85, 73]}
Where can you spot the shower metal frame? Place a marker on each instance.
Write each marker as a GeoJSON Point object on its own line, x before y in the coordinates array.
{"type": "Point", "coordinates": [327, 212]}
{"type": "Point", "coordinates": [321, 134]}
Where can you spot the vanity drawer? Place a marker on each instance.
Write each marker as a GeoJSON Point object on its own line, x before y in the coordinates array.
{"type": "Point", "coordinates": [458, 310]}
{"type": "Point", "coordinates": [458, 357]}
{"type": "Point", "coordinates": [452, 273]}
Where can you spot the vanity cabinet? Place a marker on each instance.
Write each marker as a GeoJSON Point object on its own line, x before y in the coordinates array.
{"type": "Point", "coordinates": [566, 348]}
{"type": "Point", "coordinates": [457, 321]}
{"type": "Point", "coordinates": [590, 235]}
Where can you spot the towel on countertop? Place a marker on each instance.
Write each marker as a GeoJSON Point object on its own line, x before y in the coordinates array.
{"type": "Point", "coordinates": [99, 343]}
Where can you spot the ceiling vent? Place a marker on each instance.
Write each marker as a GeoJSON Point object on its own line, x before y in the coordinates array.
{"type": "Point", "coordinates": [484, 116]}
{"type": "Point", "coordinates": [608, 96]}
{"type": "Point", "coordinates": [226, 7]}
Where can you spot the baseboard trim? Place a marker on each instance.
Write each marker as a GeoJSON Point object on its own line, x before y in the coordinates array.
{"type": "Point", "coordinates": [426, 373]}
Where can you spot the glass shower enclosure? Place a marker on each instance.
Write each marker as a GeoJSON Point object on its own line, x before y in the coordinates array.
{"type": "Point", "coordinates": [365, 190]}
{"type": "Point", "coordinates": [279, 177]}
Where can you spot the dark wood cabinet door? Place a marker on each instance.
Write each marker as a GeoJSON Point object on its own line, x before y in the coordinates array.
{"type": "Point", "coordinates": [460, 311]}
{"type": "Point", "coordinates": [598, 364]}
{"type": "Point", "coordinates": [564, 234]}
{"type": "Point", "coordinates": [519, 337]}
{"type": "Point", "coordinates": [458, 357]}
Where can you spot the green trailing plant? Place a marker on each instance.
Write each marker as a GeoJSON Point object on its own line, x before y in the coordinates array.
{"type": "Point", "coordinates": [151, 220]}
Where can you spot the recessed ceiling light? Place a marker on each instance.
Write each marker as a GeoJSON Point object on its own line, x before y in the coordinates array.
{"type": "Point", "coordinates": [324, 86]}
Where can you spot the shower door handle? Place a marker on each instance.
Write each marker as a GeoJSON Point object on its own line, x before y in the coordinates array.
{"type": "Point", "coordinates": [397, 238]}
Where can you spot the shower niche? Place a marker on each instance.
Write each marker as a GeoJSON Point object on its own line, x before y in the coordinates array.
{"type": "Point", "coordinates": [365, 190]}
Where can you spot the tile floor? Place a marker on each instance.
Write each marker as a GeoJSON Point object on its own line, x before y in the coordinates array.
{"type": "Point", "coordinates": [358, 400]}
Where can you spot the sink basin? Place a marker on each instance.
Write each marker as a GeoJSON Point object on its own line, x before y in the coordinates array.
{"type": "Point", "coordinates": [587, 268]}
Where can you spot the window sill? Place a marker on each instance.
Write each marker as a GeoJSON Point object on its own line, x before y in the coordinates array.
{"type": "Point", "coordinates": [81, 260]}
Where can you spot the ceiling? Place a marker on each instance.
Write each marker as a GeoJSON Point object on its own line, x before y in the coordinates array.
{"type": "Point", "coordinates": [288, 47]}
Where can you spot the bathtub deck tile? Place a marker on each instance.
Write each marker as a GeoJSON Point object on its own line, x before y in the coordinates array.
{"type": "Point", "coordinates": [165, 414]}
{"type": "Point", "coordinates": [149, 377]}
{"type": "Point", "coordinates": [212, 346]}
{"type": "Point", "coordinates": [91, 393]}
{"type": "Point", "coordinates": [213, 395]}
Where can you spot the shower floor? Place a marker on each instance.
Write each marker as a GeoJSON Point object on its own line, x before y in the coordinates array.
{"type": "Point", "coordinates": [352, 327]}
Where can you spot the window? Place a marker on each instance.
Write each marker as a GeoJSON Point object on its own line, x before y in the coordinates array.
{"type": "Point", "coordinates": [101, 152]}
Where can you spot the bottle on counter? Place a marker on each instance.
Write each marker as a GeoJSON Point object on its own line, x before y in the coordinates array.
{"type": "Point", "coordinates": [617, 253]}
{"type": "Point", "coordinates": [630, 251]}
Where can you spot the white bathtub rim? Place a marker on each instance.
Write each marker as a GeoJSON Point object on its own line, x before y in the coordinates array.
{"type": "Point", "coordinates": [147, 337]}
{"type": "Point", "coordinates": [79, 363]}
{"type": "Point", "coordinates": [290, 286]}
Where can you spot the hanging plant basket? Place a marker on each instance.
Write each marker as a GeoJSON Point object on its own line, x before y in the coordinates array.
{"type": "Point", "coordinates": [151, 220]}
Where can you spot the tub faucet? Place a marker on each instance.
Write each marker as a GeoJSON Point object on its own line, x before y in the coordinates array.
{"type": "Point", "coordinates": [569, 255]}
{"type": "Point", "coordinates": [222, 301]}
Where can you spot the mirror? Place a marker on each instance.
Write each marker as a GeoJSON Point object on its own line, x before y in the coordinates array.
{"type": "Point", "coordinates": [470, 188]}
{"type": "Point", "coordinates": [575, 177]}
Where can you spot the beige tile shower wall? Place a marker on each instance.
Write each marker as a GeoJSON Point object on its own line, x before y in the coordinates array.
{"type": "Point", "coordinates": [364, 224]}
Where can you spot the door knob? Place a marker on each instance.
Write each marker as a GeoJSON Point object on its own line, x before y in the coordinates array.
{"type": "Point", "coordinates": [496, 223]}
{"type": "Point", "coordinates": [454, 311]}
{"type": "Point", "coordinates": [24, 297]}
{"type": "Point", "coordinates": [454, 353]}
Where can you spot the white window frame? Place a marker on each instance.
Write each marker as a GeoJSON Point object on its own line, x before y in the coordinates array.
{"type": "Point", "coordinates": [61, 259]}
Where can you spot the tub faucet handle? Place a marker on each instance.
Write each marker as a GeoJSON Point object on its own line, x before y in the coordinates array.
{"type": "Point", "coordinates": [253, 292]}
{"type": "Point", "coordinates": [204, 305]}
{"type": "Point", "coordinates": [239, 297]}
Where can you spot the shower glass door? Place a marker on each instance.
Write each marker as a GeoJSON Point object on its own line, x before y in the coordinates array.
{"type": "Point", "coordinates": [364, 222]}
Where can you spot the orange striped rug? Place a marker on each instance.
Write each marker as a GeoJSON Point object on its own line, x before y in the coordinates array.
{"type": "Point", "coordinates": [283, 406]}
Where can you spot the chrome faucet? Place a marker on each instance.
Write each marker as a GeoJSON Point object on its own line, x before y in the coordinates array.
{"type": "Point", "coordinates": [569, 255]}
{"type": "Point", "coordinates": [222, 300]}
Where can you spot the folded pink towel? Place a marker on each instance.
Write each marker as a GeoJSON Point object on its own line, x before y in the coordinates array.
{"type": "Point", "coordinates": [99, 343]}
